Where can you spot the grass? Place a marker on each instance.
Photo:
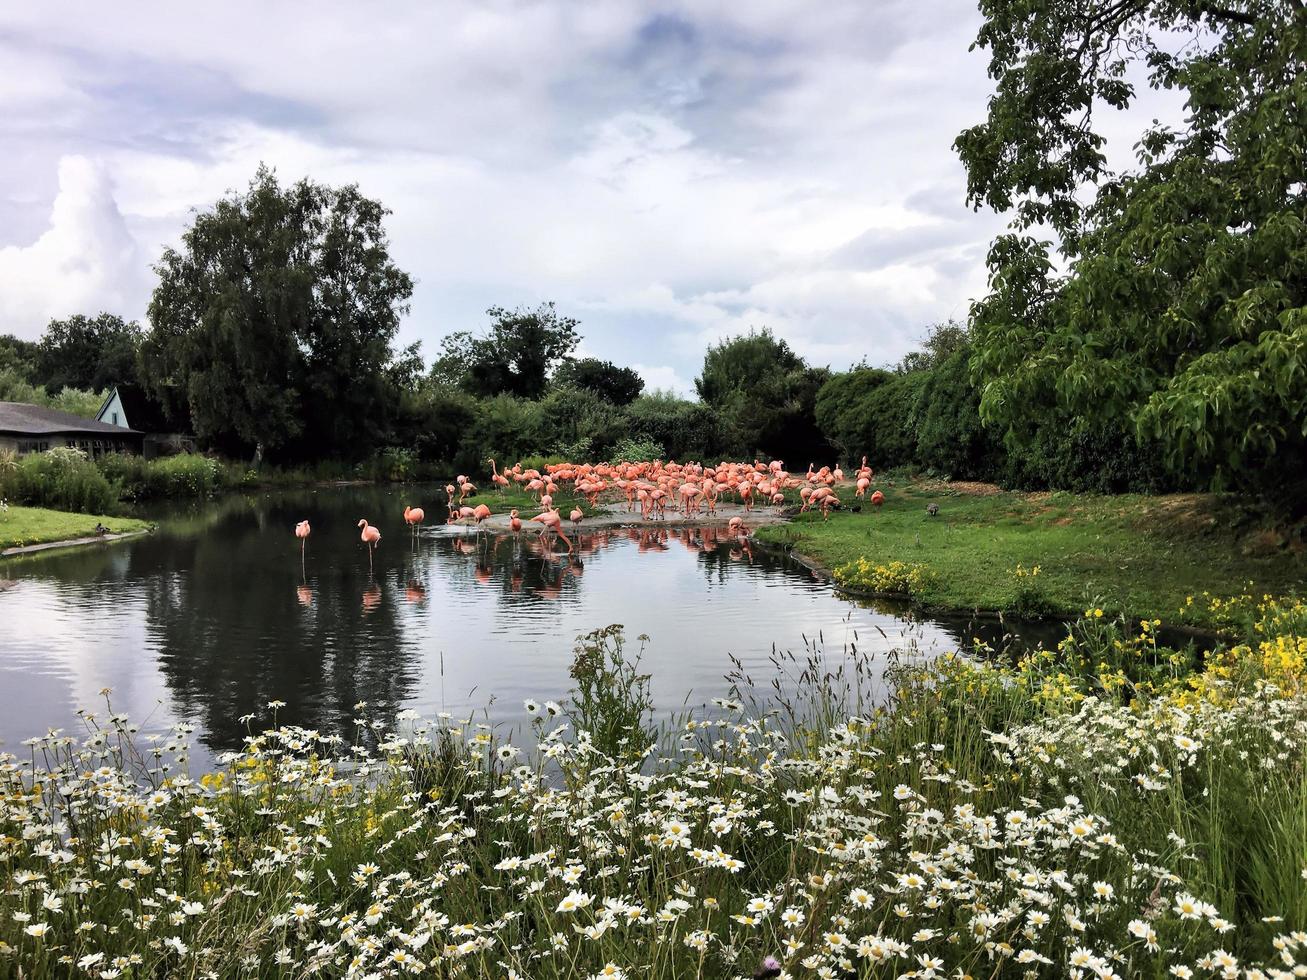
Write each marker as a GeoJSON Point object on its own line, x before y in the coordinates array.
{"type": "Point", "coordinates": [1136, 554]}
{"type": "Point", "coordinates": [36, 525]}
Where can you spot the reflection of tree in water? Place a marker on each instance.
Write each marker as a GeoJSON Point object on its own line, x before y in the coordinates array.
{"type": "Point", "coordinates": [236, 627]}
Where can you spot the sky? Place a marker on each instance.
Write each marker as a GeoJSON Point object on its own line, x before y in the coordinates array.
{"type": "Point", "coordinates": [669, 173]}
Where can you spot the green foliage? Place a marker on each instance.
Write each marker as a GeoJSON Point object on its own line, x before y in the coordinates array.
{"type": "Point", "coordinates": [88, 352]}
{"type": "Point", "coordinates": [61, 479]}
{"type": "Point", "coordinates": [184, 475]}
{"type": "Point", "coordinates": [951, 439]}
{"type": "Point", "coordinates": [612, 699]}
{"type": "Point", "coordinates": [631, 450]}
{"type": "Point", "coordinates": [275, 320]}
{"type": "Point", "coordinates": [619, 385]}
{"type": "Point", "coordinates": [686, 430]}
{"type": "Point", "coordinates": [844, 413]}
{"type": "Point", "coordinates": [1183, 317]}
{"type": "Point", "coordinates": [514, 357]}
{"type": "Point", "coordinates": [767, 395]}
{"type": "Point", "coordinates": [14, 387]}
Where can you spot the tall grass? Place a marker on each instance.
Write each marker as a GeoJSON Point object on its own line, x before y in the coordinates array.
{"type": "Point", "coordinates": [61, 479]}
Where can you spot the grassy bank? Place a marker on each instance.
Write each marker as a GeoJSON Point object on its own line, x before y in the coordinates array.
{"type": "Point", "coordinates": [1138, 554]}
{"type": "Point", "coordinates": [36, 525]}
{"type": "Point", "coordinates": [1105, 809]}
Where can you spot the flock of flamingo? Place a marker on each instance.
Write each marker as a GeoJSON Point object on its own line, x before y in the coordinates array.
{"type": "Point", "coordinates": [654, 487]}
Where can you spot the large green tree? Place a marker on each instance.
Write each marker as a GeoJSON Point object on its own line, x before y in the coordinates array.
{"type": "Point", "coordinates": [88, 352]}
{"type": "Point", "coordinates": [273, 324]}
{"type": "Point", "coordinates": [1177, 308]}
{"type": "Point", "coordinates": [618, 385]}
{"type": "Point", "coordinates": [514, 357]}
{"type": "Point", "coordinates": [767, 395]}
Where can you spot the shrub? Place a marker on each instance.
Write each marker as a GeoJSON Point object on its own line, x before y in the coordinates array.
{"type": "Point", "coordinates": [635, 451]}
{"type": "Point", "coordinates": [62, 479]}
{"type": "Point", "coordinates": [896, 578]}
{"type": "Point", "coordinates": [185, 475]}
{"type": "Point", "coordinates": [612, 700]}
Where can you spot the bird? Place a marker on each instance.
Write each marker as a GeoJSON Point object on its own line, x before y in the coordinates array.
{"type": "Point", "coordinates": [414, 516]}
{"type": "Point", "coordinates": [369, 536]}
{"type": "Point", "coordinates": [877, 499]}
{"type": "Point", "coordinates": [552, 522]}
{"type": "Point", "coordinates": [932, 509]}
{"type": "Point", "coordinates": [575, 518]}
{"type": "Point", "coordinates": [302, 532]}
{"type": "Point", "coordinates": [514, 522]}
{"type": "Point", "coordinates": [479, 513]}
{"type": "Point", "coordinates": [496, 478]}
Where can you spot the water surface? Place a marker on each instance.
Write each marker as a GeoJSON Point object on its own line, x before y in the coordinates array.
{"type": "Point", "coordinates": [210, 617]}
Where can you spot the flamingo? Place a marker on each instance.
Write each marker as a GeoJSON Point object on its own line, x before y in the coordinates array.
{"type": "Point", "coordinates": [479, 513]}
{"type": "Point", "coordinates": [369, 536]}
{"type": "Point", "coordinates": [500, 481]}
{"type": "Point", "coordinates": [413, 516]}
{"type": "Point", "coordinates": [552, 522]}
{"type": "Point", "coordinates": [302, 532]}
{"type": "Point", "coordinates": [514, 522]}
{"type": "Point", "coordinates": [877, 499]}
{"type": "Point", "coordinates": [575, 518]}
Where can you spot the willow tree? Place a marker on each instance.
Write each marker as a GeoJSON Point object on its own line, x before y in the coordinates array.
{"type": "Point", "coordinates": [273, 324]}
{"type": "Point", "coordinates": [1175, 308]}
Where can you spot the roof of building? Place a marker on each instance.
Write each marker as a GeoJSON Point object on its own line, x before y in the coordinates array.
{"type": "Point", "coordinates": [143, 413]}
{"type": "Point", "coordinates": [23, 419]}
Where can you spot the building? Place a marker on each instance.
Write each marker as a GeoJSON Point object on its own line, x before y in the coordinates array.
{"type": "Point", "coordinates": [130, 408]}
{"type": "Point", "coordinates": [33, 429]}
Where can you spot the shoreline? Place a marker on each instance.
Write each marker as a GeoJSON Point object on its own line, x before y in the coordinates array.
{"type": "Point", "coordinates": [28, 549]}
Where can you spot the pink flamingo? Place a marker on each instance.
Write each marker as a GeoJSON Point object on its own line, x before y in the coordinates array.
{"type": "Point", "coordinates": [575, 518]}
{"type": "Point", "coordinates": [413, 516]}
{"type": "Point", "coordinates": [495, 478]}
{"type": "Point", "coordinates": [514, 522]}
{"type": "Point", "coordinates": [552, 522]}
{"type": "Point", "coordinates": [877, 499]}
{"type": "Point", "coordinates": [479, 513]}
{"type": "Point", "coordinates": [302, 532]}
{"type": "Point", "coordinates": [370, 536]}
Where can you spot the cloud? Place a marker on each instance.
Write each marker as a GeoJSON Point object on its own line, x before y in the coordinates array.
{"type": "Point", "coordinates": [670, 172]}
{"type": "Point", "coordinates": [85, 261]}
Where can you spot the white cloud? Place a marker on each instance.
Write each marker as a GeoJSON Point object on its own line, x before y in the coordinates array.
{"type": "Point", "coordinates": [669, 172]}
{"type": "Point", "coordinates": [85, 261]}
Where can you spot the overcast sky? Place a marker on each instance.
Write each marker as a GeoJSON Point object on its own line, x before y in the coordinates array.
{"type": "Point", "coordinates": [668, 173]}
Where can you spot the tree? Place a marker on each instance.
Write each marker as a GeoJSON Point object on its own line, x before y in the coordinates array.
{"type": "Point", "coordinates": [767, 395]}
{"type": "Point", "coordinates": [514, 357]}
{"type": "Point", "coordinates": [942, 341]}
{"type": "Point", "coordinates": [618, 385]}
{"type": "Point", "coordinates": [1183, 315]}
{"type": "Point", "coordinates": [88, 352]}
{"type": "Point", "coordinates": [275, 320]}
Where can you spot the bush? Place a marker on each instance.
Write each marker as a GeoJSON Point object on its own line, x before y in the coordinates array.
{"type": "Point", "coordinates": [61, 479]}
{"type": "Point", "coordinates": [685, 429]}
{"type": "Point", "coordinates": [185, 475]}
{"type": "Point", "coordinates": [635, 451]}
{"type": "Point", "coordinates": [897, 578]}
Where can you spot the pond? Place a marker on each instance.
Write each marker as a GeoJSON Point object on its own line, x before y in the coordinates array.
{"type": "Point", "coordinates": [209, 618]}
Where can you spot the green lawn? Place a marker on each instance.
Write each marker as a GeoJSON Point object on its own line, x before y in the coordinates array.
{"type": "Point", "coordinates": [36, 525]}
{"type": "Point", "coordinates": [1134, 554]}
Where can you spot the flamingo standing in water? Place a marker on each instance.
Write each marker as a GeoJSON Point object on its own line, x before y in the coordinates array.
{"type": "Point", "coordinates": [302, 532]}
{"type": "Point", "coordinates": [413, 516]}
{"type": "Point", "coordinates": [552, 522]}
{"type": "Point", "coordinates": [370, 536]}
{"type": "Point", "coordinates": [575, 518]}
{"type": "Point", "coordinates": [479, 513]}
{"type": "Point", "coordinates": [514, 522]}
